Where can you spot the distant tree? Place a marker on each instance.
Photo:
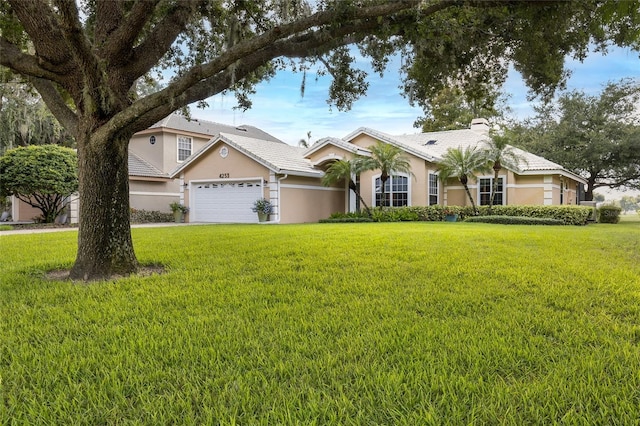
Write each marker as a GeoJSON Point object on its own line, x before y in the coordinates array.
{"type": "Point", "coordinates": [388, 159]}
{"type": "Point", "coordinates": [597, 137]}
{"type": "Point", "coordinates": [463, 164]}
{"type": "Point", "coordinates": [344, 170]}
{"type": "Point", "coordinates": [500, 154]}
{"type": "Point", "coordinates": [629, 203]}
{"type": "Point", "coordinates": [43, 176]}
{"type": "Point", "coordinates": [451, 109]}
{"type": "Point", "coordinates": [24, 118]}
{"type": "Point", "coordinates": [598, 197]}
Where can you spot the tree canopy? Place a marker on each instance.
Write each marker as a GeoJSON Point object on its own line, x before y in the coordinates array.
{"type": "Point", "coordinates": [597, 137]}
{"type": "Point", "coordinates": [85, 58]}
{"type": "Point", "coordinates": [450, 109]}
{"type": "Point", "coordinates": [42, 176]}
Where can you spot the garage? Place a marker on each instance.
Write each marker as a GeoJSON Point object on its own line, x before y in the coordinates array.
{"type": "Point", "coordinates": [225, 201]}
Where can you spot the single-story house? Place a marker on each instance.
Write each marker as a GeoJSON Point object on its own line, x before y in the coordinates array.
{"type": "Point", "coordinates": [220, 181]}
{"type": "Point", "coordinates": [218, 171]}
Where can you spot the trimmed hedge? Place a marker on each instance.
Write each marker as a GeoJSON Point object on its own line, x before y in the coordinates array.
{"type": "Point", "coordinates": [346, 220]}
{"type": "Point", "coordinates": [147, 216]}
{"type": "Point", "coordinates": [515, 220]}
{"type": "Point", "coordinates": [609, 214]}
{"type": "Point", "coordinates": [569, 215]}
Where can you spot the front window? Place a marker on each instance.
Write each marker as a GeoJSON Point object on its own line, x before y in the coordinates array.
{"type": "Point", "coordinates": [396, 191]}
{"type": "Point", "coordinates": [485, 187]}
{"type": "Point", "coordinates": [433, 189]}
{"type": "Point", "coordinates": [184, 147]}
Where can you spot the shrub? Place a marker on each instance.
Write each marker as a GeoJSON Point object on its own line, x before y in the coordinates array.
{"type": "Point", "coordinates": [347, 218]}
{"type": "Point", "coordinates": [609, 214]}
{"type": "Point", "coordinates": [515, 220]}
{"type": "Point", "coordinates": [569, 215]}
{"type": "Point", "coordinates": [146, 216]}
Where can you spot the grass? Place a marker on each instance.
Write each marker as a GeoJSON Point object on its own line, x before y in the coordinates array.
{"type": "Point", "coordinates": [395, 323]}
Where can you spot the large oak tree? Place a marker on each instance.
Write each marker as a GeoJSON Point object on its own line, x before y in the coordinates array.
{"type": "Point", "coordinates": [84, 58]}
{"type": "Point", "coordinates": [597, 137]}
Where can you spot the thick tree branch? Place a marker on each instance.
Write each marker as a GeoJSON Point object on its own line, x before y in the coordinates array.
{"type": "Point", "coordinates": [156, 45]}
{"type": "Point", "coordinates": [13, 58]}
{"type": "Point", "coordinates": [212, 78]}
{"type": "Point", "coordinates": [79, 44]}
{"type": "Point", "coordinates": [56, 104]}
{"type": "Point", "coordinates": [109, 15]}
{"type": "Point", "coordinates": [39, 22]}
{"type": "Point", "coordinates": [119, 44]}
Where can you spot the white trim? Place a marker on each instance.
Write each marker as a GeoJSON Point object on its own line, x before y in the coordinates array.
{"type": "Point", "coordinates": [461, 187]}
{"type": "Point", "coordinates": [166, 194]}
{"type": "Point", "coordinates": [532, 185]}
{"type": "Point", "coordinates": [547, 173]}
{"type": "Point", "coordinates": [330, 157]}
{"type": "Point", "coordinates": [317, 188]}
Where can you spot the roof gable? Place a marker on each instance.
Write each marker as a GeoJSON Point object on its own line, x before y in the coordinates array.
{"type": "Point", "coordinates": [277, 157]}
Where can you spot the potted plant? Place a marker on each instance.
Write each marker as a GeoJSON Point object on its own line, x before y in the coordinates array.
{"type": "Point", "coordinates": [179, 211]}
{"type": "Point", "coordinates": [450, 215]}
{"type": "Point", "coordinates": [263, 207]}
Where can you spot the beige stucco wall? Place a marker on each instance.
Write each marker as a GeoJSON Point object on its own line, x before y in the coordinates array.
{"type": "Point", "coordinates": [153, 195]}
{"type": "Point", "coordinates": [164, 153]}
{"type": "Point", "coordinates": [23, 212]}
{"type": "Point", "coordinates": [306, 200]}
{"type": "Point", "coordinates": [328, 153]}
{"type": "Point", "coordinates": [211, 166]}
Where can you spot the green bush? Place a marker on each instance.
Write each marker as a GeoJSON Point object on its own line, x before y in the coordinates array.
{"type": "Point", "coordinates": [346, 220]}
{"type": "Point", "coordinates": [569, 215]}
{"type": "Point", "coordinates": [515, 220]}
{"type": "Point", "coordinates": [146, 216]}
{"type": "Point", "coordinates": [609, 214]}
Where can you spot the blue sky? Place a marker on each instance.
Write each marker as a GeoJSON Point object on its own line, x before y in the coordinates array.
{"type": "Point", "coordinates": [279, 109]}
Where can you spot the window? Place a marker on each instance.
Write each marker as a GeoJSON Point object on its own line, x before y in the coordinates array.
{"type": "Point", "coordinates": [184, 147]}
{"type": "Point", "coordinates": [484, 189]}
{"type": "Point", "coordinates": [433, 189]}
{"type": "Point", "coordinates": [396, 189]}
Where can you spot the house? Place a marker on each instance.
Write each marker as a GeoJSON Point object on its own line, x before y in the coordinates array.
{"type": "Point", "coordinates": [218, 171]}
{"type": "Point", "coordinates": [220, 181]}
{"type": "Point", "coordinates": [153, 153]}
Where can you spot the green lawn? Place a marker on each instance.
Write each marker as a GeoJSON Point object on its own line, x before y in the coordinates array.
{"type": "Point", "coordinates": [397, 323]}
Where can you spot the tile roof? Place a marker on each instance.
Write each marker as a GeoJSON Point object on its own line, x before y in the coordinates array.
{"type": "Point", "coordinates": [140, 167]}
{"type": "Point", "coordinates": [277, 156]}
{"type": "Point", "coordinates": [204, 127]}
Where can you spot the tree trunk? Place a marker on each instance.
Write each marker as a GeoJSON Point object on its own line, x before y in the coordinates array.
{"type": "Point", "coordinates": [105, 247]}
{"type": "Point", "coordinates": [464, 180]}
{"type": "Point", "coordinates": [354, 188]}
{"type": "Point", "coordinates": [588, 194]}
{"type": "Point", "coordinates": [494, 188]}
{"type": "Point", "coordinates": [383, 182]}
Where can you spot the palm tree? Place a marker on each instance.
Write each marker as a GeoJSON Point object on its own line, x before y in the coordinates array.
{"type": "Point", "coordinates": [463, 164]}
{"type": "Point", "coordinates": [388, 159]}
{"type": "Point", "coordinates": [499, 153]}
{"type": "Point", "coordinates": [305, 143]}
{"type": "Point", "coordinates": [344, 170]}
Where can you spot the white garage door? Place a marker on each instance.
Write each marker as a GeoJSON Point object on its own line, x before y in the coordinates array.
{"type": "Point", "coordinates": [229, 202]}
